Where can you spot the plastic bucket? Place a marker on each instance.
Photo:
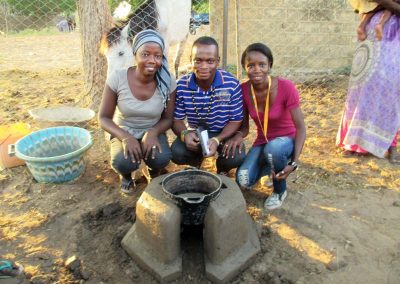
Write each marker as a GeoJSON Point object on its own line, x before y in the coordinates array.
{"type": "Point", "coordinates": [9, 134]}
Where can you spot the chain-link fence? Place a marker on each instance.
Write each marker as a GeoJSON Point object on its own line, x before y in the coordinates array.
{"type": "Point", "coordinates": [306, 36]}
{"type": "Point", "coordinates": [43, 51]}
{"type": "Point", "coordinates": [41, 46]}
{"type": "Point", "coordinates": [54, 55]}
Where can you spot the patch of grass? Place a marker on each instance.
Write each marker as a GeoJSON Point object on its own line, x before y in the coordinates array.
{"type": "Point", "coordinates": [32, 32]}
{"type": "Point", "coordinates": [232, 68]}
{"type": "Point", "coordinates": [345, 70]}
{"type": "Point", "coordinates": [201, 7]}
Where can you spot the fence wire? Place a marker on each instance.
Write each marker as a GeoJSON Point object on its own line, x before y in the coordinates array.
{"type": "Point", "coordinates": [41, 56]}
{"type": "Point", "coordinates": [41, 59]}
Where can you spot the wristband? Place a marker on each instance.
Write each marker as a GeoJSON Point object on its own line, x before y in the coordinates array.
{"type": "Point", "coordinates": [293, 164]}
{"type": "Point", "coordinates": [240, 132]}
{"type": "Point", "coordinates": [183, 134]}
{"type": "Point", "coordinates": [216, 140]}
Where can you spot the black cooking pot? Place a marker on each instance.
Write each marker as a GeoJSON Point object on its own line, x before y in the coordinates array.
{"type": "Point", "coordinates": [192, 190]}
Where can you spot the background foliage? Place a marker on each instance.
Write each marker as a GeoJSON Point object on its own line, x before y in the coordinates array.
{"type": "Point", "coordinates": [39, 8]}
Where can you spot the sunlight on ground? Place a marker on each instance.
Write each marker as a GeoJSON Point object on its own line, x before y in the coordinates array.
{"type": "Point", "coordinates": [9, 256]}
{"type": "Point", "coordinates": [31, 244]}
{"type": "Point", "coordinates": [32, 270]}
{"type": "Point", "coordinates": [299, 242]}
{"type": "Point", "coordinates": [358, 218]}
{"type": "Point", "coordinates": [11, 226]}
{"type": "Point", "coordinates": [330, 209]}
{"type": "Point", "coordinates": [15, 199]}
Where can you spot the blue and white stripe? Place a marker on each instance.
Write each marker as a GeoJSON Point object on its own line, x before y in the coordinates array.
{"type": "Point", "coordinates": [226, 106]}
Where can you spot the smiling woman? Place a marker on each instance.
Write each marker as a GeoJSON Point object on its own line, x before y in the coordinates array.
{"type": "Point", "coordinates": [274, 105]}
{"type": "Point", "coordinates": [137, 108]}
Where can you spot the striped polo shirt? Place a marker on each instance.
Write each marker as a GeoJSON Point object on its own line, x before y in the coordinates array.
{"type": "Point", "coordinates": [219, 105]}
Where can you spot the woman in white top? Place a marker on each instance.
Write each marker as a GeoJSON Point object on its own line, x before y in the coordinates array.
{"type": "Point", "coordinates": [137, 109]}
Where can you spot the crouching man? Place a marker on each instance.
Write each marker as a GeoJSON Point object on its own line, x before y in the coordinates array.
{"type": "Point", "coordinates": [207, 98]}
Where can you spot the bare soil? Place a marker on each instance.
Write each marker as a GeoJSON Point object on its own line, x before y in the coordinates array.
{"type": "Point", "coordinates": [339, 223]}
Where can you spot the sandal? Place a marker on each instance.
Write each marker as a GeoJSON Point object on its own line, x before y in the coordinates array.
{"type": "Point", "coordinates": [9, 269]}
{"type": "Point", "coordinates": [127, 186]}
{"type": "Point", "coordinates": [347, 153]}
{"type": "Point", "coordinates": [394, 156]}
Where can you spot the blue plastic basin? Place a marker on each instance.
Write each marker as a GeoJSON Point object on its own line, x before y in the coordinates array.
{"type": "Point", "coordinates": [55, 155]}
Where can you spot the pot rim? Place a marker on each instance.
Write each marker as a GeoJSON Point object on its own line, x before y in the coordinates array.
{"type": "Point", "coordinates": [189, 170]}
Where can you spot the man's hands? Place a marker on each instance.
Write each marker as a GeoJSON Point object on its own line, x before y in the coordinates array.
{"type": "Point", "coordinates": [192, 141]}
{"type": "Point", "coordinates": [212, 145]}
{"type": "Point", "coordinates": [231, 144]}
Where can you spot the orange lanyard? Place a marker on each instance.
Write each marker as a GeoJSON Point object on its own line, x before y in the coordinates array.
{"type": "Point", "coordinates": [266, 107]}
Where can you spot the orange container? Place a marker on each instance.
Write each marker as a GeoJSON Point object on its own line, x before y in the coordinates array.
{"type": "Point", "coordinates": [9, 134]}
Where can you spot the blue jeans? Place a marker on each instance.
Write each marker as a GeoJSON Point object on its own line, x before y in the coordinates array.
{"type": "Point", "coordinates": [125, 167]}
{"type": "Point", "coordinates": [256, 163]}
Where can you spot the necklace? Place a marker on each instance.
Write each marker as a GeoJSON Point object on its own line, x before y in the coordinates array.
{"type": "Point", "coordinates": [266, 111]}
{"type": "Point", "coordinates": [202, 121]}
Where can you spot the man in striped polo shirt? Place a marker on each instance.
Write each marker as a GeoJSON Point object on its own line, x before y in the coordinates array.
{"type": "Point", "coordinates": [211, 98]}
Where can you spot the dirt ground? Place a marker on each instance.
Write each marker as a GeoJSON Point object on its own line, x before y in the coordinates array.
{"type": "Point", "coordinates": [339, 223]}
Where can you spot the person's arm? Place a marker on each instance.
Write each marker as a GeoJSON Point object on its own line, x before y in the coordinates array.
{"type": "Point", "coordinates": [293, 105]}
{"type": "Point", "coordinates": [228, 131]}
{"type": "Point", "coordinates": [178, 124]}
{"type": "Point", "coordinates": [106, 114]}
{"type": "Point", "coordinates": [235, 120]}
{"type": "Point", "coordinates": [390, 5]}
{"type": "Point", "coordinates": [179, 128]}
{"type": "Point", "coordinates": [297, 117]}
{"type": "Point", "coordinates": [165, 122]}
{"type": "Point", "coordinates": [230, 128]}
{"type": "Point", "coordinates": [189, 138]}
{"type": "Point", "coordinates": [107, 108]}
{"type": "Point", "coordinates": [150, 138]}
{"type": "Point", "coordinates": [245, 127]}
{"type": "Point", "coordinates": [236, 140]}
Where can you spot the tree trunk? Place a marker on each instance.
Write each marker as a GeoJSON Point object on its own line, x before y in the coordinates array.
{"type": "Point", "coordinates": [95, 20]}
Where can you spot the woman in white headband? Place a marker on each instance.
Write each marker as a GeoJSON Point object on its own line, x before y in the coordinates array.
{"type": "Point", "coordinates": [137, 108]}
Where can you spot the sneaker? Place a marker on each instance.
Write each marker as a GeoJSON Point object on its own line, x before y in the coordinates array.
{"type": "Point", "coordinates": [243, 180]}
{"type": "Point", "coordinates": [275, 200]}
